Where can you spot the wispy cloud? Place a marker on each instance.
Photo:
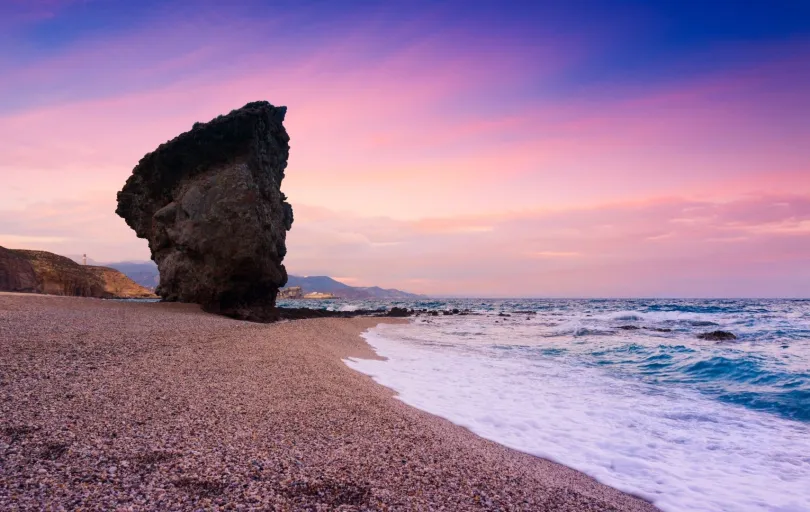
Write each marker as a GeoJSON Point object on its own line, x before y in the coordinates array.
{"type": "Point", "coordinates": [429, 154]}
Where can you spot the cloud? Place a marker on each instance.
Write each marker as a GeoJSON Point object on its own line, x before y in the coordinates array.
{"type": "Point", "coordinates": [758, 245]}
{"type": "Point", "coordinates": [631, 249]}
{"type": "Point", "coordinates": [437, 161]}
{"type": "Point", "coordinates": [84, 226]}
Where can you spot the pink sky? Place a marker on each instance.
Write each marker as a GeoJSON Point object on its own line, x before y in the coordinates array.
{"type": "Point", "coordinates": [431, 170]}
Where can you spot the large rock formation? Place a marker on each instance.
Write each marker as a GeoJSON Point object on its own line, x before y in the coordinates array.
{"type": "Point", "coordinates": [16, 273]}
{"type": "Point", "coordinates": [44, 272]}
{"type": "Point", "coordinates": [210, 205]}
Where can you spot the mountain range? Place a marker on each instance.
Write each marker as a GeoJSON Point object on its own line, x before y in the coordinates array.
{"type": "Point", "coordinates": [325, 284]}
{"type": "Point", "coordinates": [146, 274]}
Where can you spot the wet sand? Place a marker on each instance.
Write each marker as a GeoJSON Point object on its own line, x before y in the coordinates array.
{"type": "Point", "coordinates": [131, 406]}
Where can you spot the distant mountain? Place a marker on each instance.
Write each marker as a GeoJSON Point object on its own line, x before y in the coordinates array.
{"type": "Point", "coordinates": [146, 274]}
{"type": "Point", "coordinates": [322, 284]}
{"type": "Point", "coordinates": [325, 284]}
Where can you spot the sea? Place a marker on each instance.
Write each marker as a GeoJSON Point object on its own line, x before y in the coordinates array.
{"type": "Point", "coordinates": [622, 390]}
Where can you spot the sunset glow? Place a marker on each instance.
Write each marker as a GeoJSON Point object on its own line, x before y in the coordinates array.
{"type": "Point", "coordinates": [449, 148]}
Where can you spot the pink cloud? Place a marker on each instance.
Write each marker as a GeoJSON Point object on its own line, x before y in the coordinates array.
{"type": "Point", "coordinates": [425, 176]}
{"type": "Point", "coordinates": [626, 249]}
{"type": "Point", "coordinates": [758, 245]}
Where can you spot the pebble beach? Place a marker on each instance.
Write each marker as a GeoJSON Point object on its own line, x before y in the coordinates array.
{"type": "Point", "coordinates": [110, 405]}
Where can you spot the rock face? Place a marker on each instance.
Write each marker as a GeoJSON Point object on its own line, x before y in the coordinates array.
{"type": "Point", "coordinates": [210, 205]}
{"type": "Point", "coordinates": [16, 273]}
{"type": "Point", "coordinates": [293, 292]}
{"type": "Point", "coordinates": [58, 275]}
{"type": "Point", "coordinates": [44, 272]}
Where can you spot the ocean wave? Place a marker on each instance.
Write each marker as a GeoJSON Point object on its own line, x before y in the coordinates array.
{"type": "Point", "coordinates": [645, 434]}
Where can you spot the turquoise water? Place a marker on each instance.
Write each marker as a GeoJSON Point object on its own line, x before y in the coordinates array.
{"type": "Point", "coordinates": [766, 369]}
{"type": "Point", "coordinates": [623, 390]}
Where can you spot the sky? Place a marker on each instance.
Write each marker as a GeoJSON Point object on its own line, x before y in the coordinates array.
{"type": "Point", "coordinates": [469, 148]}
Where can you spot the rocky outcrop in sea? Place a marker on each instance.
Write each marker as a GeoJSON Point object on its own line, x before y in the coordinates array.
{"type": "Point", "coordinates": [210, 204]}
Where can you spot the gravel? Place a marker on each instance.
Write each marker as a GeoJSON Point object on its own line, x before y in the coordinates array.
{"type": "Point", "coordinates": [128, 406]}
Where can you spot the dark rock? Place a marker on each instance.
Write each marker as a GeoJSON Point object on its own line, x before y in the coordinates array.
{"type": "Point", "coordinates": [16, 273]}
{"type": "Point", "coordinates": [447, 312]}
{"type": "Point", "coordinates": [434, 313]}
{"type": "Point", "coordinates": [717, 336]}
{"type": "Point", "coordinates": [504, 314]}
{"type": "Point", "coordinates": [304, 313]}
{"type": "Point", "coordinates": [628, 327]}
{"type": "Point", "coordinates": [659, 329]}
{"type": "Point", "coordinates": [209, 203]}
{"type": "Point", "coordinates": [455, 311]}
{"type": "Point", "coordinates": [400, 312]}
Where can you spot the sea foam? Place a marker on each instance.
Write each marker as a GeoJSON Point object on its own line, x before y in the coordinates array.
{"type": "Point", "coordinates": [671, 445]}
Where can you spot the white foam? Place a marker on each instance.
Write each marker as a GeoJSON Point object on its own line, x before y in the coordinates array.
{"type": "Point", "coordinates": [681, 451]}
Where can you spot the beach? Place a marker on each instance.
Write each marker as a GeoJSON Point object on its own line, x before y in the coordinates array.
{"type": "Point", "coordinates": [109, 405]}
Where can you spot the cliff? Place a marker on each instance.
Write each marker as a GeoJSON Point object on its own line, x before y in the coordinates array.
{"type": "Point", "coordinates": [16, 273]}
{"type": "Point", "coordinates": [44, 272]}
{"type": "Point", "coordinates": [293, 292]}
{"type": "Point", "coordinates": [58, 275]}
{"type": "Point", "coordinates": [210, 205]}
{"type": "Point", "coordinates": [118, 285]}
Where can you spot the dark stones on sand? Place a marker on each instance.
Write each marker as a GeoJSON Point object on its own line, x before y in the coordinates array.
{"type": "Point", "coordinates": [629, 327]}
{"type": "Point", "coordinates": [210, 204]}
{"type": "Point", "coordinates": [717, 336]}
{"type": "Point", "coordinates": [303, 313]}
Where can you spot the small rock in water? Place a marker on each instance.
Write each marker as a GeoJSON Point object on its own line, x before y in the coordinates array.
{"type": "Point", "coordinates": [717, 336]}
{"type": "Point", "coordinates": [629, 327]}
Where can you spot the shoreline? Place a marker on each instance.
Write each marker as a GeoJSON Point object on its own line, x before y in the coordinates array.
{"type": "Point", "coordinates": [159, 405]}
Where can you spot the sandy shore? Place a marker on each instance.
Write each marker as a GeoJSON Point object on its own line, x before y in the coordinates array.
{"type": "Point", "coordinates": [119, 406]}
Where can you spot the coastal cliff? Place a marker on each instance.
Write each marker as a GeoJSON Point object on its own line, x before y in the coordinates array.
{"type": "Point", "coordinates": [210, 205]}
{"type": "Point", "coordinates": [44, 272]}
{"type": "Point", "coordinates": [16, 273]}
